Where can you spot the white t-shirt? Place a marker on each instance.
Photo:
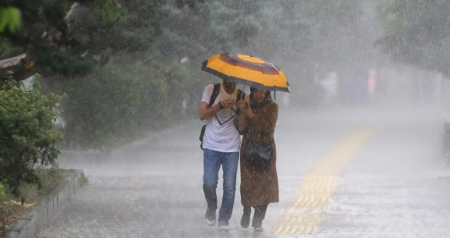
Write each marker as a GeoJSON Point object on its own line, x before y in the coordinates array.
{"type": "Point", "coordinates": [220, 134]}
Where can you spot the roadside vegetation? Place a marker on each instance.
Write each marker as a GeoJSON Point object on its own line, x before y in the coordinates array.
{"type": "Point", "coordinates": [13, 208]}
{"type": "Point", "coordinates": [28, 149]}
{"type": "Point", "coordinates": [115, 71]}
{"type": "Point", "coordinates": [132, 67]}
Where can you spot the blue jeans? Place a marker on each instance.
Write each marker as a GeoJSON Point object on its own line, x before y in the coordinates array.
{"type": "Point", "coordinates": [212, 160]}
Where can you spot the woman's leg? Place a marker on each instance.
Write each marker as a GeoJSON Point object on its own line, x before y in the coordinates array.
{"type": "Point", "coordinates": [258, 217]}
{"type": "Point", "coordinates": [245, 220]}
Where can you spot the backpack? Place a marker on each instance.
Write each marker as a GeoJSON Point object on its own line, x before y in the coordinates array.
{"type": "Point", "coordinates": [214, 95]}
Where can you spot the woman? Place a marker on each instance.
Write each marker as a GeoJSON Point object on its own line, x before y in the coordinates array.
{"type": "Point", "coordinates": [259, 182]}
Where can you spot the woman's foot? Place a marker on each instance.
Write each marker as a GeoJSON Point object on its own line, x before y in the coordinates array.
{"type": "Point", "coordinates": [258, 217]}
{"type": "Point", "coordinates": [245, 220]}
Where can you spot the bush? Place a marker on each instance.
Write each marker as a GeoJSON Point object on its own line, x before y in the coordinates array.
{"type": "Point", "coordinates": [120, 102]}
{"type": "Point", "coordinates": [2, 191]}
{"type": "Point", "coordinates": [26, 132]}
{"type": "Point", "coordinates": [100, 109]}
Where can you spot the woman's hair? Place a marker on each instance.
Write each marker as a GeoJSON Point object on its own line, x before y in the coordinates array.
{"type": "Point", "coordinates": [268, 96]}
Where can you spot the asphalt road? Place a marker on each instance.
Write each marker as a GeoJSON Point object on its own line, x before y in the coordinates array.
{"type": "Point", "coordinates": [361, 172]}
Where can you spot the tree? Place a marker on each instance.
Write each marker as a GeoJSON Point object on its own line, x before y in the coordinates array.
{"type": "Point", "coordinates": [10, 19]}
{"type": "Point", "coordinates": [130, 51]}
{"type": "Point", "coordinates": [27, 137]}
{"type": "Point", "coordinates": [204, 29]}
{"type": "Point", "coordinates": [69, 38]}
{"type": "Point", "coordinates": [416, 32]}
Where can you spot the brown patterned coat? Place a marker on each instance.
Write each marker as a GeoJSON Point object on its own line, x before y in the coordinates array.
{"type": "Point", "coordinates": [259, 187]}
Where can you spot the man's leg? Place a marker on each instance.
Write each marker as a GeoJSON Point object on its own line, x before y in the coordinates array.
{"type": "Point", "coordinates": [211, 166]}
{"type": "Point", "coordinates": [230, 166]}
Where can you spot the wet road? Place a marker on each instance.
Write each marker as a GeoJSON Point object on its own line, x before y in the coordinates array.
{"type": "Point", "coordinates": [342, 173]}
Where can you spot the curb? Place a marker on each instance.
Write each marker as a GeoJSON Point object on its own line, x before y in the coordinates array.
{"type": "Point", "coordinates": [43, 213]}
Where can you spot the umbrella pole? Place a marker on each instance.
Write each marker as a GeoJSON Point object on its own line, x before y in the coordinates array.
{"type": "Point", "coordinates": [275, 93]}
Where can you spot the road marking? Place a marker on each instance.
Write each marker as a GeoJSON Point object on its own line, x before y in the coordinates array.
{"type": "Point", "coordinates": [304, 214]}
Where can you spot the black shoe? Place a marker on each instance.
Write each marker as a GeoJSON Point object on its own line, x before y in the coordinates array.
{"type": "Point", "coordinates": [245, 220]}
{"type": "Point", "coordinates": [210, 216]}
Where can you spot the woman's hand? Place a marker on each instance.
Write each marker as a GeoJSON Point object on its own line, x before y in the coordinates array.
{"type": "Point", "coordinates": [249, 113]}
{"type": "Point", "coordinates": [241, 104]}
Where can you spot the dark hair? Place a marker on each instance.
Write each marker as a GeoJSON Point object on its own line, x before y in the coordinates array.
{"type": "Point", "coordinates": [253, 89]}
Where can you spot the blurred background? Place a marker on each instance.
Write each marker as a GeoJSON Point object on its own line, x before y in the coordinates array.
{"type": "Point", "coordinates": [130, 68]}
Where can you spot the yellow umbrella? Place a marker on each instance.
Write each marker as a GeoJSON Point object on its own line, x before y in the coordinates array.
{"type": "Point", "coordinates": [247, 70]}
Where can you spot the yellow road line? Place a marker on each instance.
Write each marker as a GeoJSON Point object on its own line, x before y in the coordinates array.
{"type": "Point", "coordinates": [304, 214]}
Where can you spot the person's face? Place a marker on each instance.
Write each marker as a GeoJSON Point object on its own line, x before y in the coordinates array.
{"type": "Point", "coordinates": [258, 95]}
{"type": "Point", "coordinates": [229, 86]}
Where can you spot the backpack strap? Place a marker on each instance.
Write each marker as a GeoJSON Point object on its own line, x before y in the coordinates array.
{"type": "Point", "coordinates": [214, 94]}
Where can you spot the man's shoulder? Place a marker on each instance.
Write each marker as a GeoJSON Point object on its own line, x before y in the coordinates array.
{"type": "Point", "coordinates": [208, 92]}
{"type": "Point", "coordinates": [210, 87]}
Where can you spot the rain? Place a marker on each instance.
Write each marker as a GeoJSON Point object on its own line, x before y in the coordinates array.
{"type": "Point", "coordinates": [362, 137]}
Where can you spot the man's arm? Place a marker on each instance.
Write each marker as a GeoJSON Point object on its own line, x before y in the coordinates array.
{"type": "Point", "coordinates": [206, 112]}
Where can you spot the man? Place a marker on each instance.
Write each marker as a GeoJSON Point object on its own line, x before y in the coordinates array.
{"type": "Point", "coordinates": [221, 144]}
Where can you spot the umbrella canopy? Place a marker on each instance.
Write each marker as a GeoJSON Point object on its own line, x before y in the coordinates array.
{"type": "Point", "coordinates": [247, 70]}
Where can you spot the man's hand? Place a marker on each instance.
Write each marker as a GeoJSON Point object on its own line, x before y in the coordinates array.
{"type": "Point", "coordinates": [227, 103]}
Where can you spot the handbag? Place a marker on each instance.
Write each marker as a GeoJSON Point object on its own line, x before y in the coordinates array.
{"type": "Point", "coordinates": [258, 154]}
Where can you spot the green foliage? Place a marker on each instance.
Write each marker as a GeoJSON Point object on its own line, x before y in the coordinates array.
{"type": "Point", "coordinates": [161, 98]}
{"type": "Point", "coordinates": [68, 37]}
{"type": "Point", "coordinates": [144, 87]}
{"type": "Point", "coordinates": [10, 19]}
{"type": "Point", "coordinates": [26, 132]}
{"type": "Point", "coordinates": [201, 30]}
{"type": "Point", "coordinates": [120, 102]}
{"type": "Point", "coordinates": [110, 11]}
{"type": "Point", "coordinates": [119, 59]}
{"type": "Point", "coordinates": [2, 191]}
{"type": "Point", "coordinates": [82, 180]}
{"type": "Point", "coordinates": [100, 108]}
{"type": "Point", "coordinates": [416, 32]}
{"type": "Point", "coordinates": [49, 180]}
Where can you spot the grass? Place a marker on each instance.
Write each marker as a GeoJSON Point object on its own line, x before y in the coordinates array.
{"type": "Point", "coordinates": [13, 209]}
